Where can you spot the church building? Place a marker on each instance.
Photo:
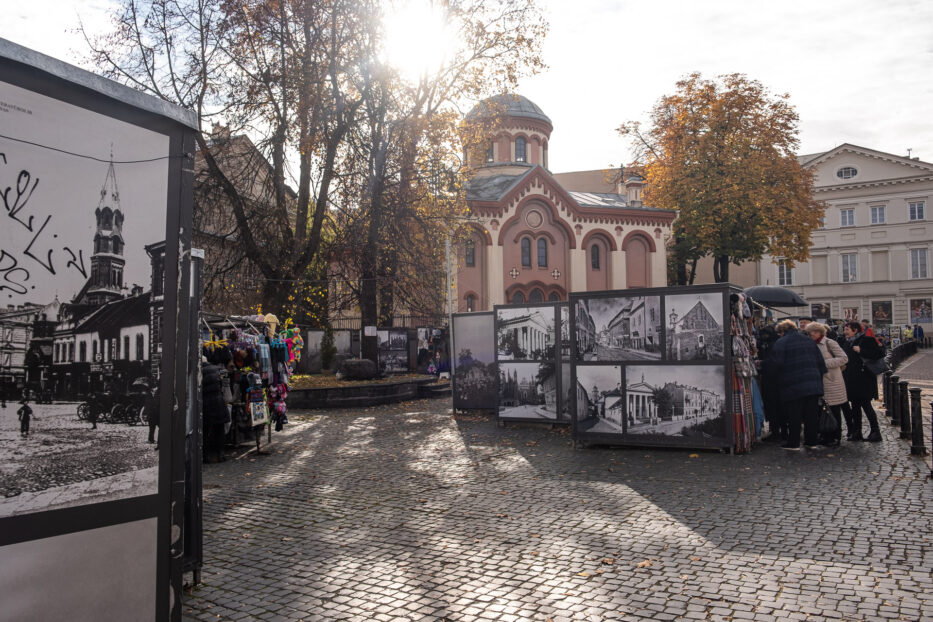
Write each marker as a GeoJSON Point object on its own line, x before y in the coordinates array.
{"type": "Point", "coordinates": [535, 236]}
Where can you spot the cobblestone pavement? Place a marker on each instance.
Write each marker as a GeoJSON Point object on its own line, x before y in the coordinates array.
{"type": "Point", "coordinates": [413, 513]}
{"type": "Point", "coordinates": [62, 451]}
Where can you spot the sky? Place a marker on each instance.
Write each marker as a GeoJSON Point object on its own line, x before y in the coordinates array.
{"type": "Point", "coordinates": [858, 71]}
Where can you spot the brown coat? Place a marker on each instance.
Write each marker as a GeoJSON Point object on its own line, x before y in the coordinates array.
{"type": "Point", "coordinates": [834, 386]}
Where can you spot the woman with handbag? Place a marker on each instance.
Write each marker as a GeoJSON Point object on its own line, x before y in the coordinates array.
{"type": "Point", "coordinates": [861, 383]}
{"type": "Point", "coordinates": [834, 386]}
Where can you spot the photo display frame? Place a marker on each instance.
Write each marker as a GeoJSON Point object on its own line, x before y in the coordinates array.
{"type": "Point", "coordinates": [651, 367]}
{"type": "Point", "coordinates": [101, 253]}
{"type": "Point", "coordinates": [476, 376]}
{"type": "Point", "coordinates": [394, 353]}
{"type": "Point", "coordinates": [527, 347]}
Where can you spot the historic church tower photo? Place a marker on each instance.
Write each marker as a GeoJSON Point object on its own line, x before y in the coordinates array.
{"type": "Point", "coordinates": [105, 283]}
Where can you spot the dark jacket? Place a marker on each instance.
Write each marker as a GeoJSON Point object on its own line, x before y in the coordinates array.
{"type": "Point", "coordinates": [212, 401]}
{"type": "Point", "coordinates": [799, 365]}
{"type": "Point", "coordinates": [860, 382]}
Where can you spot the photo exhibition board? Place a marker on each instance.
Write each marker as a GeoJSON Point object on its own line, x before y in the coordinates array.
{"type": "Point", "coordinates": [96, 183]}
{"type": "Point", "coordinates": [527, 356]}
{"type": "Point", "coordinates": [650, 367]}
{"type": "Point", "coordinates": [394, 353]}
{"type": "Point", "coordinates": [475, 379]}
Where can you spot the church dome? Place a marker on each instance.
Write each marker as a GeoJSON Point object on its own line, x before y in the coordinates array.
{"type": "Point", "coordinates": [514, 106]}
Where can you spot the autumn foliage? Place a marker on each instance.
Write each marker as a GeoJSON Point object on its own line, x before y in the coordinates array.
{"type": "Point", "coordinates": [723, 154]}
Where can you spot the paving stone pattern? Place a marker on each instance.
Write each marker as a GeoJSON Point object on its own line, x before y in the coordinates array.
{"type": "Point", "coordinates": [410, 512]}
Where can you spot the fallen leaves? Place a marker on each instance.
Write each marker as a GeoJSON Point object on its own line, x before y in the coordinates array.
{"type": "Point", "coordinates": [645, 563]}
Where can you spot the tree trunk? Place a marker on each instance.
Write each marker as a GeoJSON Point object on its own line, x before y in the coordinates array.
{"type": "Point", "coordinates": [721, 269]}
{"type": "Point", "coordinates": [693, 271]}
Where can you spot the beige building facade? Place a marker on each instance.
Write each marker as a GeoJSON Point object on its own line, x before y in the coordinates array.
{"type": "Point", "coordinates": [871, 256]}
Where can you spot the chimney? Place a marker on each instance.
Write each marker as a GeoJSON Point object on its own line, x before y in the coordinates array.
{"type": "Point", "coordinates": [633, 190]}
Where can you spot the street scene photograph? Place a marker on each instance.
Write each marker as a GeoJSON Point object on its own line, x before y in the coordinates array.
{"type": "Point", "coordinates": [619, 328]}
{"type": "Point", "coordinates": [454, 311]}
{"type": "Point", "coordinates": [694, 327]}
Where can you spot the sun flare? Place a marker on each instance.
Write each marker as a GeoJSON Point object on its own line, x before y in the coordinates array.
{"type": "Point", "coordinates": [418, 38]}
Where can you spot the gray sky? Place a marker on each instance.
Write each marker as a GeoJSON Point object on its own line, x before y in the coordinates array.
{"type": "Point", "coordinates": [858, 71]}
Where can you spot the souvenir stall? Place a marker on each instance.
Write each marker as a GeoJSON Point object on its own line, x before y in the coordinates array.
{"type": "Point", "coordinates": [748, 414]}
{"type": "Point", "coordinates": [247, 363]}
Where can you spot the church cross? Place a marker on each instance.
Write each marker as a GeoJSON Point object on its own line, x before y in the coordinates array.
{"type": "Point", "coordinates": [556, 273]}
{"type": "Point", "coordinates": [514, 273]}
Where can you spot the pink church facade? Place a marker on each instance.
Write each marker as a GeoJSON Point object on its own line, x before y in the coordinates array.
{"type": "Point", "coordinates": [533, 239]}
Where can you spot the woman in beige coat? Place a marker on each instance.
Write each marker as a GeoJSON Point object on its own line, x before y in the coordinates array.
{"type": "Point", "coordinates": [834, 386]}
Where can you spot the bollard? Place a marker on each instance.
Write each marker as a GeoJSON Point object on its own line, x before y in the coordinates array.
{"type": "Point", "coordinates": [904, 410]}
{"type": "Point", "coordinates": [895, 400]}
{"type": "Point", "coordinates": [917, 447]}
{"type": "Point", "coordinates": [886, 391]}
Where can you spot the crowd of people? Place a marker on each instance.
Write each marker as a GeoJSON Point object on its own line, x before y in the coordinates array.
{"type": "Point", "coordinates": [810, 367]}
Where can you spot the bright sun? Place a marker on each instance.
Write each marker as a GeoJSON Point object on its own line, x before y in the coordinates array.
{"type": "Point", "coordinates": [417, 37]}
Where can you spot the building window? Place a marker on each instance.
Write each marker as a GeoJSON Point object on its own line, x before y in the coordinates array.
{"type": "Point", "coordinates": [916, 209]}
{"type": "Point", "coordinates": [518, 298]}
{"type": "Point", "coordinates": [918, 263]}
{"type": "Point", "coordinates": [542, 253]}
{"type": "Point", "coordinates": [847, 172]}
{"type": "Point", "coordinates": [470, 254]}
{"type": "Point", "coordinates": [847, 218]}
{"type": "Point", "coordinates": [94, 351]}
{"type": "Point", "coordinates": [785, 273]}
{"type": "Point", "coordinates": [544, 154]}
{"type": "Point", "coordinates": [82, 352]}
{"type": "Point", "coordinates": [526, 252]}
{"type": "Point", "coordinates": [57, 352]}
{"type": "Point", "coordinates": [520, 150]}
{"type": "Point", "coordinates": [536, 295]}
{"type": "Point", "coordinates": [594, 256]}
{"type": "Point", "coordinates": [554, 297]}
{"type": "Point", "coordinates": [139, 347]}
{"type": "Point", "coordinates": [849, 267]}
{"type": "Point", "coordinates": [490, 153]}
{"type": "Point", "coordinates": [71, 352]}
{"type": "Point", "coordinates": [877, 214]}
{"type": "Point", "coordinates": [470, 303]}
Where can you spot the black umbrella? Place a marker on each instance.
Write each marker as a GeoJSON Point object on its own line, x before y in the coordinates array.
{"type": "Point", "coordinates": [774, 296]}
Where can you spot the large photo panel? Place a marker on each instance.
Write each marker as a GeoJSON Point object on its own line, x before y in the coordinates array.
{"type": "Point", "coordinates": [696, 326]}
{"type": "Point", "coordinates": [529, 391]}
{"type": "Point", "coordinates": [82, 262]}
{"type": "Point", "coordinates": [475, 378]}
{"type": "Point", "coordinates": [619, 328]}
{"type": "Point", "coordinates": [525, 333]}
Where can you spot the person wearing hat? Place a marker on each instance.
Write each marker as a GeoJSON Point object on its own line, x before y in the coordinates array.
{"type": "Point", "coordinates": [25, 415]}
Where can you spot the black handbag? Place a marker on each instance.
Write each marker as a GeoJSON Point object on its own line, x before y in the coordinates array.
{"type": "Point", "coordinates": [876, 366]}
{"type": "Point", "coordinates": [828, 424]}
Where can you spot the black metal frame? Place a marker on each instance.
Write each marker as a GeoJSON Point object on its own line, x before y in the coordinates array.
{"type": "Point", "coordinates": [453, 358]}
{"type": "Point", "coordinates": [724, 442]}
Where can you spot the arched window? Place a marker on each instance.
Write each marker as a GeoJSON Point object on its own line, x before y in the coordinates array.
{"type": "Point", "coordinates": [94, 352]}
{"type": "Point", "coordinates": [594, 257]}
{"type": "Point", "coordinates": [126, 347]}
{"type": "Point", "coordinates": [490, 154]}
{"type": "Point", "coordinates": [536, 295]}
{"type": "Point", "coordinates": [554, 297]}
{"type": "Point", "coordinates": [542, 253]}
{"type": "Point", "coordinates": [470, 302]}
{"type": "Point", "coordinates": [520, 150]}
{"type": "Point", "coordinates": [518, 298]}
{"type": "Point", "coordinates": [470, 254]}
{"type": "Point", "coordinates": [82, 352]}
{"type": "Point", "coordinates": [139, 347]}
{"type": "Point", "coordinates": [526, 252]}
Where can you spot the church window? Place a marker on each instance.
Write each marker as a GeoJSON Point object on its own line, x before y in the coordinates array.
{"type": "Point", "coordinates": [94, 351]}
{"type": "Point", "coordinates": [126, 347]}
{"type": "Point", "coordinates": [542, 253]}
{"type": "Point", "coordinates": [520, 150]}
{"type": "Point", "coordinates": [470, 302]}
{"type": "Point", "coordinates": [82, 352]}
{"type": "Point", "coordinates": [544, 154]}
{"type": "Point", "coordinates": [71, 352]}
{"type": "Point", "coordinates": [594, 256]}
{"type": "Point", "coordinates": [526, 252]}
{"type": "Point", "coordinates": [536, 295]}
{"type": "Point", "coordinates": [847, 172]}
{"type": "Point", "coordinates": [470, 254]}
{"type": "Point", "coordinates": [518, 298]}
{"type": "Point", "coordinates": [554, 297]}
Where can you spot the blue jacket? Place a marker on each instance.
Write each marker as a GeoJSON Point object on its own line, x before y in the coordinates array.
{"type": "Point", "coordinates": [799, 365]}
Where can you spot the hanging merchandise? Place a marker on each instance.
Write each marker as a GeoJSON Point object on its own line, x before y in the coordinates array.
{"type": "Point", "coordinates": [747, 405]}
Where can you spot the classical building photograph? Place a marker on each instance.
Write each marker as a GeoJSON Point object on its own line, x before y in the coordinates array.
{"type": "Point", "coordinates": [620, 328]}
{"type": "Point", "coordinates": [675, 401]}
{"type": "Point", "coordinates": [528, 391]}
{"type": "Point", "coordinates": [694, 327]}
{"type": "Point", "coordinates": [598, 399]}
{"type": "Point", "coordinates": [534, 235]}
{"type": "Point", "coordinates": [525, 333]}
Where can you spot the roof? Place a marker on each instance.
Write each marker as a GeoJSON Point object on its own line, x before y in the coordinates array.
{"type": "Point", "coordinates": [515, 106]}
{"type": "Point", "coordinates": [132, 311]}
{"type": "Point", "coordinates": [96, 83]}
{"type": "Point", "coordinates": [493, 187]}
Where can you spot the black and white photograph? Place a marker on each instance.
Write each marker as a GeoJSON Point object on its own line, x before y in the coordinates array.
{"type": "Point", "coordinates": [528, 391]}
{"type": "Point", "coordinates": [475, 376]}
{"type": "Point", "coordinates": [393, 361]}
{"type": "Point", "coordinates": [695, 327]}
{"type": "Point", "coordinates": [392, 340]}
{"type": "Point", "coordinates": [564, 314]}
{"type": "Point", "coordinates": [618, 328]}
{"type": "Point", "coordinates": [676, 401]}
{"type": "Point", "coordinates": [567, 391]}
{"type": "Point", "coordinates": [311, 356]}
{"type": "Point", "coordinates": [597, 395]}
{"type": "Point", "coordinates": [83, 250]}
{"type": "Point", "coordinates": [525, 333]}
{"type": "Point", "coordinates": [343, 343]}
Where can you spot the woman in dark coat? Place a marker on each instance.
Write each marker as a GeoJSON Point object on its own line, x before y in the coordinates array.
{"type": "Point", "coordinates": [800, 367]}
{"type": "Point", "coordinates": [861, 384]}
{"type": "Point", "coordinates": [215, 412]}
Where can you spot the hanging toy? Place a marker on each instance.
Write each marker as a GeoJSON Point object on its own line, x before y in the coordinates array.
{"type": "Point", "coordinates": [297, 344]}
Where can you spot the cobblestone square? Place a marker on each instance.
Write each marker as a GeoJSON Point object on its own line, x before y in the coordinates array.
{"type": "Point", "coordinates": [411, 512]}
